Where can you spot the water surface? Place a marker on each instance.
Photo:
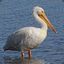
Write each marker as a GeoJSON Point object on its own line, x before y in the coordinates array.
{"type": "Point", "coordinates": [15, 14]}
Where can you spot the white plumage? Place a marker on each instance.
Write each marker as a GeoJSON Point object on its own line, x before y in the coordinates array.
{"type": "Point", "coordinates": [28, 38]}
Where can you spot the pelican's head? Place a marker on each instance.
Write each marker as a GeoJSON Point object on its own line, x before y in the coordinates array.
{"type": "Point", "coordinates": [40, 15]}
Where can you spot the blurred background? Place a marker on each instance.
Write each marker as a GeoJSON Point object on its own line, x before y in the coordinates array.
{"type": "Point", "coordinates": [15, 14]}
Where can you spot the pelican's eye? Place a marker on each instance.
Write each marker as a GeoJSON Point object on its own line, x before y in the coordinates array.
{"type": "Point", "coordinates": [42, 11]}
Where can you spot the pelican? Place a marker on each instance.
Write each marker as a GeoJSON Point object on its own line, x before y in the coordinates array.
{"type": "Point", "coordinates": [28, 38]}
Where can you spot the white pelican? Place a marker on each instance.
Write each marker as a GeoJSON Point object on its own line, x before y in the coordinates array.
{"type": "Point", "coordinates": [28, 38]}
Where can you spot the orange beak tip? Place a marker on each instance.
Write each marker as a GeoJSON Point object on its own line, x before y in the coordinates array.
{"type": "Point", "coordinates": [55, 31]}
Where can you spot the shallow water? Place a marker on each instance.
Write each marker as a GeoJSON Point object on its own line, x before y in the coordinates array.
{"type": "Point", "coordinates": [15, 14]}
{"type": "Point", "coordinates": [7, 59]}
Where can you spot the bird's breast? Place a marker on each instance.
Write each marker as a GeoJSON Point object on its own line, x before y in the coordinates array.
{"type": "Point", "coordinates": [36, 36]}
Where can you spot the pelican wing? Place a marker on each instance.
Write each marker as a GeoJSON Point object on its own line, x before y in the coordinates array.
{"type": "Point", "coordinates": [19, 40]}
{"type": "Point", "coordinates": [28, 37]}
{"type": "Point", "coordinates": [14, 40]}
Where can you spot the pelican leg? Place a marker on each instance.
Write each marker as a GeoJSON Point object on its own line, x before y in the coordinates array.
{"type": "Point", "coordinates": [22, 55]}
{"type": "Point", "coordinates": [29, 54]}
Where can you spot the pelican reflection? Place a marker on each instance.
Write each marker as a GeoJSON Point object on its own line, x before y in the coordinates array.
{"type": "Point", "coordinates": [25, 61]}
